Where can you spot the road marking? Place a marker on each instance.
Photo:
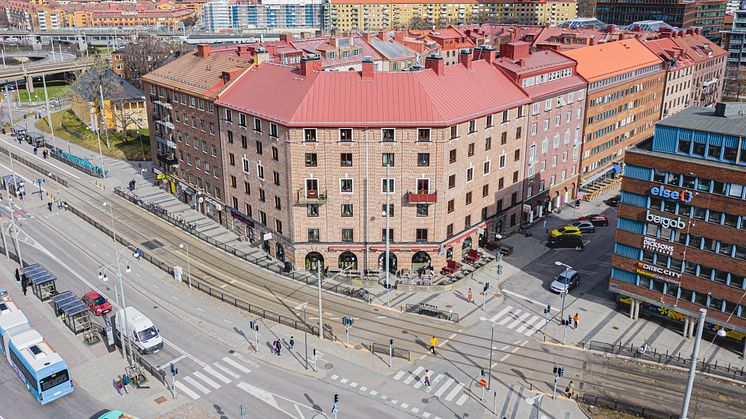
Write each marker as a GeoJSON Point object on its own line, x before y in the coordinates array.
{"type": "Point", "coordinates": [444, 387]}
{"type": "Point", "coordinates": [462, 399]}
{"type": "Point", "coordinates": [415, 409]}
{"type": "Point", "coordinates": [505, 347]}
{"type": "Point", "coordinates": [502, 313]}
{"type": "Point", "coordinates": [260, 394]}
{"type": "Point", "coordinates": [204, 378]}
{"type": "Point", "coordinates": [504, 358]}
{"type": "Point", "coordinates": [515, 349]}
{"type": "Point", "coordinates": [539, 303]}
{"type": "Point", "coordinates": [394, 401]}
{"type": "Point", "coordinates": [223, 285]}
{"type": "Point", "coordinates": [435, 381]}
{"type": "Point", "coordinates": [48, 162]}
{"type": "Point", "coordinates": [343, 381]}
{"type": "Point", "coordinates": [249, 362]}
{"type": "Point", "coordinates": [454, 392]}
{"type": "Point", "coordinates": [527, 324]}
{"type": "Point", "coordinates": [384, 397]}
{"type": "Point", "coordinates": [399, 375]}
{"type": "Point", "coordinates": [334, 377]}
{"type": "Point", "coordinates": [186, 390]}
{"type": "Point", "coordinates": [197, 385]}
{"type": "Point", "coordinates": [373, 392]}
{"type": "Point", "coordinates": [300, 414]}
{"type": "Point", "coordinates": [227, 321]}
{"type": "Point", "coordinates": [226, 370]}
{"type": "Point", "coordinates": [425, 415]}
{"type": "Point", "coordinates": [175, 297]}
{"type": "Point", "coordinates": [236, 365]}
{"type": "Point", "coordinates": [200, 309]}
{"type": "Point", "coordinates": [413, 374]}
{"type": "Point", "coordinates": [363, 389]}
{"type": "Point", "coordinates": [380, 317]}
{"type": "Point", "coordinates": [536, 326]}
{"type": "Point", "coordinates": [520, 318]}
{"type": "Point", "coordinates": [353, 384]}
{"type": "Point", "coordinates": [175, 360]}
{"type": "Point", "coordinates": [217, 375]}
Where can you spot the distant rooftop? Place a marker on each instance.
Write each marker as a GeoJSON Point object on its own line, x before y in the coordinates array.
{"type": "Point", "coordinates": [583, 22]}
{"type": "Point", "coordinates": [727, 118]}
{"type": "Point", "coordinates": [648, 26]}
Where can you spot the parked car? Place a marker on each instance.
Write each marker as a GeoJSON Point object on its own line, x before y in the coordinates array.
{"type": "Point", "coordinates": [116, 414]}
{"type": "Point", "coordinates": [97, 303]}
{"type": "Point", "coordinates": [566, 230]}
{"type": "Point", "coordinates": [566, 241]}
{"type": "Point", "coordinates": [613, 201]}
{"type": "Point", "coordinates": [564, 282]}
{"type": "Point", "coordinates": [585, 226]}
{"type": "Point", "coordinates": [598, 220]}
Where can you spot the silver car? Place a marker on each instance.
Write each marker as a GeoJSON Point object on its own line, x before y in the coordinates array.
{"type": "Point", "coordinates": [565, 281]}
{"type": "Point", "coordinates": [585, 226]}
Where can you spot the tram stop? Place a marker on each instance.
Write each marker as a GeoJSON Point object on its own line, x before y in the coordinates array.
{"type": "Point", "coordinates": [42, 282]}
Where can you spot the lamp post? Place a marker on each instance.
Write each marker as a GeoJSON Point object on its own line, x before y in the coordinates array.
{"type": "Point", "coordinates": [120, 263]}
{"type": "Point", "coordinates": [111, 214]}
{"type": "Point", "coordinates": [387, 214]}
{"type": "Point", "coordinates": [49, 115]}
{"type": "Point", "coordinates": [492, 340]}
{"type": "Point", "coordinates": [189, 265]}
{"type": "Point", "coordinates": [565, 289]}
{"type": "Point", "coordinates": [15, 231]}
{"type": "Point", "coordinates": [305, 328]}
{"type": "Point", "coordinates": [321, 311]}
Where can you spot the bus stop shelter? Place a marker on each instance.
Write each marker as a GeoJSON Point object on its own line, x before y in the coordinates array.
{"type": "Point", "coordinates": [18, 132]}
{"type": "Point", "coordinates": [75, 314]}
{"type": "Point", "coordinates": [12, 183]}
{"type": "Point", "coordinates": [42, 282]}
{"type": "Point", "coordinates": [36, 139]}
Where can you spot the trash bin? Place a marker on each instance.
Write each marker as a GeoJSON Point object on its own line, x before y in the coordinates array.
{"type": "Point", "coordinates": [177, 273]}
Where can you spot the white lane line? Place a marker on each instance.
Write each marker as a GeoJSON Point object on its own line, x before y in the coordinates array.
{"type": "Point", "coordinates": [536, 326]}
{"type": "Point", "coordinates": [184, 389]}
{"type": "Point", "coordinates": [526, 324]}
{"type": "Point", "coordinates": [196, 385]}
{"type": "Point", "coordinates": [461, 400]}
{"type": "Point", "coordinates": [404, 405]}
{"type": "Point", "coordinates": [204, 378]}
{"type": "Point", "coordinates": [419, 383]}
{"type": "Point", "coordinates": [373, 392]}
{"type": "Point", "coordinates": [454, 392]}
{"type": "Point", "coordinates": [520, 318]}
{"type": "Point", "coordinates": [505, 347]}
{"type": "Point", "coordinates": [227, 321]}
{"type": "Point", "coordinates": [343, 381]}
{"type": "Point", "coordinates": [217, 375]}
{"type": "Point", "coordinates": [399, 375]}
{"type": "Point", "coordinates": [504, 358]}
{"type": "Point", "coordinates": [444, 387]}
{"type": "Point", "coordinates": [502, 313]}
{"type": "Point", "coordinates": [200, 309]}
{"type": "Point", "coordinates": [523, 297]}
{"type": "Point", "coordinates": [435, 381]}
{"type": "Point", "coordinates": [236, 365]}
{"type": "Point", "coordinates": [300, 414]}
{"type": "Point", "coordinates": [225, 370]}
{"type": "Point", "coordinates": [413, 374]}
{"type": "Point", "coordinates": [508, 318]}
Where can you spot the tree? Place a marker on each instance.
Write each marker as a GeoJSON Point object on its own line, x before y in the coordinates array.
{"type": "Point", "coordinates": [148, 52]}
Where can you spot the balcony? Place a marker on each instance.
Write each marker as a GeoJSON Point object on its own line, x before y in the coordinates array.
{"type": "Point", "coordinates": [311, 197]}
{"type": "Point", "coordinates": [421, 198]}
{"type": "Point", "coordinates": [168, 158]}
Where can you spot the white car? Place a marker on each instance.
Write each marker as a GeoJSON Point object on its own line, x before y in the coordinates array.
{"type": "Point", "coordinates": [565, 281]}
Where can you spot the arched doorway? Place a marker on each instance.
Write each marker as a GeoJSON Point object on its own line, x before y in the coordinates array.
{"type": "Point", "coordinates": [567, 195]}
{"type": "Point", "coordinates": [449, 253]}
{"type": "Point", "coordinates": [466, 245]}
{"type": "Point", "coordinates": [420, 260]}
{"type": "Point", "coordinates": [314, 261]}
{"type": "Point", "coordinates": [392, 262]}
{"type": "Point", "coordinates": [347, 260]}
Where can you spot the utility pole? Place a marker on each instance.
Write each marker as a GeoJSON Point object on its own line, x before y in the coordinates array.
{"type": "Point", "coordinates": [321, 311]}
{"type": "Point", "coordinates": [49, 115]}
{"type": "Point", "coordinates": [547, 313]}
{"type": "Point", "coordinates": [254, 326]}
{"type": "Point", "coordinates": [391, 350]}
{"type": "Point", "coordinates": [103, 115]}
{"type": "Point", "coordinates": [693, 364]}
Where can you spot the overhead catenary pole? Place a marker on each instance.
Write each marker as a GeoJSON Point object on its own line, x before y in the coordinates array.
{"type": "Point", "coordinates": [693, 364]}
{"type": "Point", "coordinates": [321, 310]}
{"type": "Point", "coordinates": [49, 114]}
{"type": "Point", "coordinates": [102, 117]}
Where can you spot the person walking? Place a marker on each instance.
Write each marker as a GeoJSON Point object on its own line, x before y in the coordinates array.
{"type": "Point", "coordinates": [45, 153]}
{"type": "Point", "coordinates": [125, 381]}
{"type": "Point", "coordinates": [118, 385]}
{"type": "Point", "coordinates": [278, 345]}
{"type": "Point", "coordinates": [18, 275]}
{"type": "Point", "coordinates": [49, 205]}
{"type": "Point", "coordinates": [433, 344]}
{"type": "Point", "coordinates": [570, 390]}
{"type": "Point", "coordinates": [291, 343]}
{"type": "Point", "coordinates": [24, 285]}
{"type": "Point", "coordinates": [427, 377]}
{"type": "Point", "coordinates": [35, 150]}
{"type": "Point", "coordinates": [575, 320]}
{"type": "Point", "coordinates": [470, 296]}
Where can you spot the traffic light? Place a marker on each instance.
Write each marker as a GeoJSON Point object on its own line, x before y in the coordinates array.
{"type": "Point", "coordinates": [548, 309]}
{"type": "Point", "coordinates": [391, 342]}
{"type": "Point", "coordinates": [251, 325]}
{"type": "Point", "coordinates": [482, 373]}
{"type": "Point", "coordinates": [174, 370]}
{"type": "Point", "coordinates": [499, 269]}
{"type": "Point", "coordinates": [560, 371]}
{"type": "Point", "coordinates": [336, 398]}
{"type": "Point", "coordinates": [486, 286]}
{"type": "Point", "coordinates": [554, 370]}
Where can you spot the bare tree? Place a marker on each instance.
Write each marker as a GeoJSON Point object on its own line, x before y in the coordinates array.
{"type": "Point", "coordinates": [147, 53]}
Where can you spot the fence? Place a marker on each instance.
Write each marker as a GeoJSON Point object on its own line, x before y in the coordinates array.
{"type": "Point", "coordinates": [152, 369]}
{"type": "Point", "coordinates": [432, 311]}
{"type": "Point", "coordinates": [203, 286]}
{"type": "Point", "coordinates": [357, 293]}
{"type": "Point", "coordinates": [619, 406]}
{"type": "Point", "coordinates": [384, 349]}
{"type": "Point", "coordinates": [652, 355]}
{"type": "Point", "coordinates": [35, 166]}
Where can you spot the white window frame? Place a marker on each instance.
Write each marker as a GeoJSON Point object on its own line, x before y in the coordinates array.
{"type": "Point", "coordinates": [352, 135]}
{"type": "Point", "coordinates": [245, 164]}
{"type": "Point", "coordinates": [388, 181]}
{"type": "Point", "coordinates": [260, 171]}
{"type": "Point", "coordinates": [382, 138]}
{"type": "Point", "coordinates": [340, 185]}
{"type": "Point", "coordinates": [487, 162]}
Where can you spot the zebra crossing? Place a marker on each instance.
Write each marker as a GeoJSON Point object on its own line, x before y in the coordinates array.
{"type": "Point", "coordinates": [213, 377]}
{"type": "Point", "coordinates": [441, 385]}
{"type": "Point", "coordinates": [523, 322]}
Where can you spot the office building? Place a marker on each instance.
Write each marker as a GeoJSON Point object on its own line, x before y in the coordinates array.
{"type": "Point", "coordinates": [222, 15]}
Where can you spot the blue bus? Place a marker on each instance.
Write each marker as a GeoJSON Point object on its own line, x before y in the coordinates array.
{"type": "Point", "coordinates": [43, 370]}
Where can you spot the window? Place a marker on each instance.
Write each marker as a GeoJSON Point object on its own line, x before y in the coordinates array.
{"type": "Point", "coordinates": [311, 160]}
{"type": "Point", "coordinates": [232, 160]}
{"type": "Point", "coordinates": [518, 132]}
{"type": "Point", "coordinates": [423, 210]}
{"type": "Point", "coordinates": [470, 174]}
{"type": "Point", "coordinates": [452, 156]}
{"type": "Point", "coordinates": [312, 210]}
{"type": "Point", "coordinates": [515, 176]}
{"type": "Point", "coordinates": [313, 234]}
{"type": "Point", "coordinates": [472, 126]}
{"type": "Point", "coordinates": [502, 160]}
{"type": "Point", "coordinates": [275, 154]}
{"type": "Point", "coordinates": [345, 159]}
{"type": "Point", "coordinates": [345, 185]}
{"type": "Point", "coordinates": [262, 195]}
{"type": "Point", "coordinates": [228, 114]}
{"type": "Point", "coordinates": [245, 165]}
{"type": "Point", "coordinates": [501, 183]}
{"type": "Point", "coordinates": [505, 117]}
{"type": "Point", "coordinates": [347, 234]}
{"type": "Point", "coordinates": [309, 135]}
{"type": "Point", "coordinates": [489, 121]}
{"type": "Point", "coordinates": [242, 119]}
{"type": "Point", "coordinates": [421, 235]}
{"type": "Point", "coordinates": [387, 211]}
{"type": "Point", "coordinates": [517, 155]}
{"type": "Point", "coordinates": [387, 159]}
{"type": "Point", "coordinates": [278, 203]}
{"type": "Point", "coordinates": [390, 234]}
{"type": "Point", "coordinates": [259, 148]}
{"type": "Point", "coordinates": [486, 167]}
{"type": "Point", "coordinates": [423, 135]}
{"type": "Point", "coordinates": [423, 159]}
{"type": "Point", "coordinates": [454, 132]}
{"type": "Point", "coordinates": [504, 138]}
{"type": "Point", "coordinates": [387, 135]}
{"type": "Point", "coordinates": [487, 143]}
{"type": "Point", "coordinates": [347, 210]}
{"type": "Point", "coordinates": [470, 150]}
{"type": "Point", "coordinates": [387, 185]}
{"type": "Point", "coordinates": [451, 181]}
{"type": "Point", "coordinates": [467, 221]}
{"type": "Point", "coordinates": [260, 171]}
{"type": "Point", "coordinates": [276, 178]}
{"type": "Point", "coordinates": [485, 190]}
{"type": "Point", "coordinates": [468, 198]}
{"type": "Point", "coordinates": [258, 125]}
{"type": "Point", "coordinates": [345, 135]}
{"type": "Point", "coordinates": [451, 206]}
{"type": "Point", "coordinates": [449, 230]}
{"type": "Point", "coordinates": [273, 130]}
{"type": "Point", "coordinates": [698, 149]}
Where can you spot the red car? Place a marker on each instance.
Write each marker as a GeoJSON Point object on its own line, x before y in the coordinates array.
{"type": "Point", "coordinates": [598, 220]}
{"type": "Point", "coordinates": [96, 303]}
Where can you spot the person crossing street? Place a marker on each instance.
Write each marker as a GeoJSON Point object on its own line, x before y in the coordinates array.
{"type": "Point", "coordinates": [575, 321]}
{"type": "Point", "coordinates": [433, 344]}
{"type": "Point", "coordinates": [470, 296]}
{"type": "Point", "coordinates": [427, 378]}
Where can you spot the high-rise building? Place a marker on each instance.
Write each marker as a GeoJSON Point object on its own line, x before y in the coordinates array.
{"type": "Point", "coordinates": [681, 238]}
{"type": "Point", "coordinates": [263, 14]}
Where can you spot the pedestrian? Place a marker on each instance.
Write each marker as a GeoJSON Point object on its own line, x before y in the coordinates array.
{"type": "Point", "coordinates": [18, 275]}
{"type": "Point", "coordinates": [570, 390]}
{"type": "Point", "coordinates": [45, 154]}
{"type": "Point", "coordinates": [24, 285]}
{"type": "Point", "coordinates": [49, 205]}
{"type": "Point", "coordinates": [279, 347]}
{"type": "Point", "coordinates": [470, 296]}
{"type": "Point", "coordinates": [544, 225]}
{"type": "Point", "coordinates": [575, 320]}
{"type": "Point", "coordinates": [125, 382]}
{"type": "Point", "coordinates": [292, 342]}
{"type": "Point", "coordinates": [118, 383]}
{"type": "Point", "coordinates": [433, 344]}
{"type": "Point", "coordinates": [35, 150]}
{"type": "Point", "coordinates": [427, 377]}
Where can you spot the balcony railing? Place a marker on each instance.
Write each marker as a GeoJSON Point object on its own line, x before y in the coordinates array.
{"type": "Point", "coordinates": [421, 198]}
{"type": "Point", "coordinates": [168, 158]}
{"type": "Point", "coordinates": [311, 197]}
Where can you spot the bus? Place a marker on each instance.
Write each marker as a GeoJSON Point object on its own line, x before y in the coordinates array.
{"type": "Point", "coordinates": [12, 321]}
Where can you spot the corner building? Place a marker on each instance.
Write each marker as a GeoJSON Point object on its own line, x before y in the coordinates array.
{"type": "Point", "coordinates": [312, 155]}
{"type": "Point", "coordinates": [681, 239]}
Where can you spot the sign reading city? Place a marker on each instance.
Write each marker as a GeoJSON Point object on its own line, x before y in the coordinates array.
{"type": "Point", "coordinates": [661, 191]}
{"type": "Point", "coordinates": [649, 243]}
{"type": "Point", "coordinates": [657, 272]}
{"type": "Point", "coordinates": [666, 222]}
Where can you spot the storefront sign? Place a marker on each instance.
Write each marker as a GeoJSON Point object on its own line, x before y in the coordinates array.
{"type": "Point", "coordinates": [649, 243]}
{"type": "Point", "coordinates": [657, 272]}
{"type": "Point", "coordinates": [242, 218]}
{"type": "Point", "coordinates": [665, 221]}
{"type": "Point", "coordinates": [661, 191]}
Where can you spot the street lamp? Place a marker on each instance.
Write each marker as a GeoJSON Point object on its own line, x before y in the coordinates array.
{"type": "Point", "coordinates": [492, 338]}
{"type": "Point", "coordinates": [565, 289]}
{"type": "Point", "coordinates": [189, 266]}
{"type": "Point", "coordinates": [119, 265]}
{"type": "Point", "coordinates": [321, 311]}
{"type": "Point", "coordinates": [305, 328]}
{"type": "Point", "coordinates": [111, 214]}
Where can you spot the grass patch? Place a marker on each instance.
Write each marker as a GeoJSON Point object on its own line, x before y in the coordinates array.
{"type": "Point", "coordinates": [122, 147]}
{"type": "Point", "coordinates": [55, 90]}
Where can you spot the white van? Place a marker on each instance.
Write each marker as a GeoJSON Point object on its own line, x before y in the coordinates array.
{"type": "Point", "coordinates": [142, 331]}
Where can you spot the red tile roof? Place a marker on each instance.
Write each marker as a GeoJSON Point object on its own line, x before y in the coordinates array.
{"type": "Point", "coordinates": [598, 62]}
{"type": "Point", "coordinates": [667, 49]}
{"type": "Point", "coordinates": [541, 62]}
{"type": "Point", "coordinates": [391, 99]}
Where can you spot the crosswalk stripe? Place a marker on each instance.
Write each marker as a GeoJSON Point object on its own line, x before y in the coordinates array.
{"type": "Point", "coordinates": [225, 370]}
{"type": "Point", "coordinates": [526, 324]}
{"type": "Point", "coordinates": [461, 400]}
{"type": "Point", "coordinates": [435, 381]}
{"type": "Point", "coordinates": [399, 375]}
{"type": "Point", "coordinates": [334, 377]}
{"type": "Point", "coordinates": [419, 383]}
{"type": "Point", "coordinates": [536, 326]}
{"type": "Point", "coordinates": [502, 313]}
{"type": "Point", "coordinates": [444, 387]}
{"type": "Point", "coordinates": [245, 360]}
{"type": "Point", "coordinates": [425, 415]}
{"type": "Point", "coordinates": [184, 389]}
{"type": "Point", "coordinates": [236, 365]}
{"type": "Point", "coordinates": [413, 374]}
{"type": "Point", "coordinates": [520, 318]}
{"type": "Point", "coordinates": [404, 405]}
{"type": "Point", "coordinates": [507, 318]}
{"type": "Point", "coordinates": [217, 375]}
{"type": "Point", "coordinates": [454, 392]}
{"type": "Point", "coordinates": [197, 385]}
{"type": "Point", "coordinates": [204, 378]}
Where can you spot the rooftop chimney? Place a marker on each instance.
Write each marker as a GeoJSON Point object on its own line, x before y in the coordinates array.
{"type": "Point", "coordinates": [286, 37]}
{"type": "Point", "coordinates": [203, 50]}
{"type": "Point", "coordinates": [489, 53]}
{"type": "Point", "coordinates": [465, 58]}
{"type": "Point", "coordinates": [436, 64]}
{"type": "Point", "coordinates": [309, 64]}
{"type": "Point", "coordinates": [260, 56]}
{"type": "Point", "coordinates": [689, 31]}
{"type": "Point", "coordinates": [514, 50]}
{"type": "Point", "coordinates": [698, 31]}
{"type": "Point", "coordinates": [369, 69]}
{"type": "Point", "coordinates": [610, 28]}
{"type": "Point", "coordinates": [382, 35]}
{"type": "Point", "coordinates": [366, 36]}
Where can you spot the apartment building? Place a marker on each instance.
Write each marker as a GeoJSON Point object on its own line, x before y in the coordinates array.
{"type": "Point", "coordinates": [681, 241]}
{"type": "Point", "coordinates": [625, 93]}
{"type": "Point", "coordinates": [555, 125]}
{"type": "Point", "coordinates": [184, 123]}
{"type": "Point", "coordinates": [679, 74]}
{"type": "Point", "coordinates": [709, 66]}
{"type": "Point", "coordinates": [223, 15]}
{"type": "Point", "coordinates": [317, 162]}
